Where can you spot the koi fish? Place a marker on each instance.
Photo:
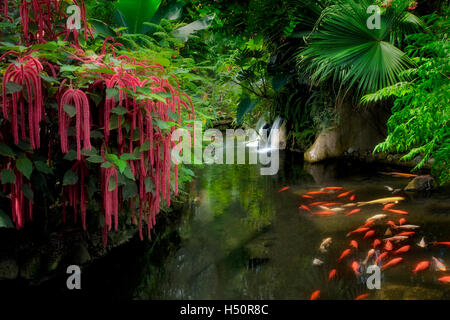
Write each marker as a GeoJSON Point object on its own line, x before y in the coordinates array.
{"type": "Point", "coordinates": [401, 221]}
{"type": "Point", "coordinates": [391, 223]}
{"type": "Point", "coordinates": [368, 223]}
{"type": "Point", "coordinates": [337, 209]}
{"type": "Point", "coordinates": [315, 295]}
{"type": "Point", "coordinates": [332, 274]}
{"type": "Point", "coordinates": [362, 296]}
{"type": "Point", "coordinates": [307, 196]}
{"type": "Point", "coordinates": [332, 188]}
{"type": "Point", "coordinates": [344, 194]}
{"type": "Point", "coordinates": [389, 188]}
{"type": "Point", "coordinates": [352, 197]}
{"type": "Point", "coordinates": [388, 232]}
{"type": "Point", "coordinates": [391, 263]}
{"type": "Point", "coordinates": [283, 189]}
{"type": "Point", "coordinates": [324, 213]}
{"type": "Point", "coordinates": [421, 266]}
{"type": "Point", "coordinates": [359, 230]}
{"type": "Point", "coordinates": [445, 279]}
{"type": "Point", "coordinates": [305, 208]}
{"type": "Point", "coordinates": [325, 244]}
{"type": "Point", "coordinates": [354, 244]}
{"type": "Point", "coordinates": [439, 265]}
{"type": "Point", "coordinates": [397, 211]}
{"type": "Point", "coordinates": [377, 217]}
{"type": "Point", "coordinates": [355, 268]}
{"type": "Point", "coordinates": [347, 205]}
{"type": "Point", "coordinates": [376, 243]}
{"type": "Point", "coordinates": [388, 205]}
{"type": "Point", "coordinates": [352, 212]}
{"type": "Point", "coordinates": [316, 203]}
{"type": "Point", "coordinates": [404, 175]}
{"type": "Point", "coordinates": [422, 243]}
{"type": "Point", "coordinates": [369, 255]}
{"type": "Point", "coordinates": [402, 249]}
{"type": "Point", "coordinates": [408, 227]}
{"type": "Point", "coordinates": [330, 204]}
{"type": "Point", "coordinates": [369, 234]}
{"type": "Point", "coordinates": [441, 243]}
{"type": "Point", "coordinates": [396, 238]}
{"type": "Point", "coordinates": [345, 253]}
{"type": "Point", "coordinates": [388, 246]}
{"type": "Point", "coordinates": [406, 233]}
{"type": "Point", "coordinates": [316, 192]}
{"type": "Point", "coordinates": [317, 262]}
{"type": "Point", "coordinates": [381, 257]}
{"type": "Point", "coordinates": [382, 201]}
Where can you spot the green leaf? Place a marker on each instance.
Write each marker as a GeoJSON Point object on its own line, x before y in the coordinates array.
{"type": "Point", "coordinates": [145, 146]}
{"type": "Point", "coordinates": [25, 166]}
{"type": "Point", "coordinates": [27, 192]}
{"type": "Point", "coordinates": [49, 79]}
{"type": "Point", "coordinates": [128, 173]}
{"type": "Point", "coordinates": [149, 186]}
{"type": "Point", "coordinates": [112, 184]}
{"type": "Point", "coordinates": [12, 87]}
{"type": "Point", "coordinates": [70, 110]}
{"type": "Point", "coordinates": [129, 190]}
{"type": "Point", "coordinates": [112, 93]}
{"type": "Point", "coordinates": [70, 178]}
{"type": "Point", "coordinates": [119, 110]}
{"type": "Point", "coordinates": [68, 68]}
{"type": "Point", "coordinates": [136, 12]}
{"type": "Point", "coordinates": [106, 165]}
{"type": "Point", "coordinates": [95, 159]}
{"type": "Point", "coordinates": [71, 155]}
{"type": "Point", "coordinates": [43, 167]}
{"type": "Point", "coordinates": [245, 106]}
{"type": "Point", "coordinates": [128, 156]}
{"type": "Point", "coordinates": [5, 221]}
{"type": "Point", "coordinates": [8, 176]}
{"type": "Point", "coordinates": [6, 151]}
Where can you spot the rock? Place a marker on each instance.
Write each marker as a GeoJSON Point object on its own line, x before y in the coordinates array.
{"type": "Point", "coordinates": [421, 183]}
{"type": "Point", "coordinates": [282, 137]}
{"type": "Point", "coordinates": [326, 146]}
{"type": "Point", "coordinates": [9, 269]}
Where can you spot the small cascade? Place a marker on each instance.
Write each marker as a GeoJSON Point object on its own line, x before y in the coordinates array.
{"type": "Point", "coordinates": [257, 135]}
{"type": "Point", "coordinates": [273, 141]}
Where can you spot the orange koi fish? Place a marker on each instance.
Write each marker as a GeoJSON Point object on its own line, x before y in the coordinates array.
{"type": "Point", "coordinates": [344, 194]}
{"type": "Point", "coordinates": [422, 243]}
{"type": "Point", "coordinates": [445, 279]}
{"type": "Point", "coordinates": [388, 205]}
{"type": "Point", "coordinates": [441, 243]}
{"type": "Point", "coordinates": [368, 224]}
{"type": "Point", "coordinates": [369, 234]}
{"type": "Point", "coordinates": [401, 221]}
{"type": "Point", "coordinates": [391, 263]}
{"type": "Point", "coordinates": [315, 295]}
{"type": "Point", "coordinates": [332, 274]}
{"type": "Point", "coordinates": [391, 223]}
{"type": "Point", "coordinates": [359, 230]}
{"type": "Point", "coordinates": [316, 192]}
{"type": "Point", "coordinates": [324, 213]}
{"type": "Point", "coordinates": [316, 203]}
{"type": "Point", "coordinates": [362, 296]}
{"type": "Point", "coordinates": [305, 208]}
{"type": "Point", "coordinates": [402, 249]}
{"type": "Point", "coordinates": [352, 212]}
{"type": "Point", "coordinates": [405, 175]}
{"type": "Point", "coordinates": [376, 243]}
{"type": "Point", "coordinates": [388, 246]}
{"type": "Point", "coordinates": [421, 266]}
{"type": "Point", "coordinates": [352, 197]}
{"type": "Point", "coordinates": [355, 268]}
{"type": "Point", "coordinates": [307, 196]}
{"type": "Point", "coordinates": [283, 189]}
{"type": "Point", "coordinates": [406, 234]}
{"type": "Point", "coordinates": [397, 211]}
{"type": "Point", "coordinates": [354, 244]}
{"type": "Point", "coordinates": [332, 188]}
{"type": "Point", "coordinates": [329, 204]}
{"type": "Point", "coordinates": [345, 253]}
{"type": "Point", "coordinates": [381, 257]}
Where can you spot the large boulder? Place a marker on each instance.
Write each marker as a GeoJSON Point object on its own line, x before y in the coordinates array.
{"type": "Point", "coordinates": [359, 128]}
{"type": "Point", "coordinates": [421, 183]}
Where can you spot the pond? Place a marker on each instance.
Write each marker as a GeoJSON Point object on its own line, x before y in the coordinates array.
{"type": "Point", "coordinates": [240, 238]}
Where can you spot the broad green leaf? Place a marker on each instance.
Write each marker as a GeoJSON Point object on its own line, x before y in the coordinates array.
{"type": "Point", "coordinates": [119, 110]}
{"type": "Point", "coordinates": [70, 110]}
{"type": "Point", "coordinates": [70, 178]}
{"type": "Point", "coordinates": [5, 221]}
{"type": "Point", "coordinates": [129, 190]}
{"type": "Point", "coordinates": [43, 167]}
{"type": "Point", "coordinates": [8, 176]}
{"type": "Point", "coordinates": [95, 159]}
{"type": "Point", "coordinates": [245, 106]}
{"type": "Point", "coordinates": [112, 184]}
{"type": "Point", "coordinates": [27, 192]}
{"type": "Point", "coordinates": [6, 151]}
{"type": "Point", "coordinates": [12, 87]}
{"type": "Point", "coordinates": [25, 166]}
{"type": "Point", "coordinates": [112, 93]}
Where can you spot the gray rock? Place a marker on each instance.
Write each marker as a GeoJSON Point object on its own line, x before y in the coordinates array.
{"type": "Point", "coordinates": [9, 269]}
{"type": "Point", "coordinates": [421, 183]}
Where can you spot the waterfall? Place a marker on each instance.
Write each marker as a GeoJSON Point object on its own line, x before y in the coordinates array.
{"type": "Point", "coordinates": [273, 141]}
{"type": "Point", "coordinates": [258, 134]}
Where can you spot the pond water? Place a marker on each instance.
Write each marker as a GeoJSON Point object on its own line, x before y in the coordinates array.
{"type": "Point", "coordinates": [239, 238]}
